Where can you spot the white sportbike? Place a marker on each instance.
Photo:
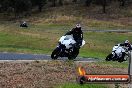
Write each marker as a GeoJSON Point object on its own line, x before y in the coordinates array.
{"type": "Point", "coordinates": [119, 53]}
{"type": "Point", "coordinates": [65, 48]}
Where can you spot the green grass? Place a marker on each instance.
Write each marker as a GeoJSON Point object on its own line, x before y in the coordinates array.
{"type": "Point", "coordinates": [111, 64]}
{"type": "Point", "coordinates": [47, 27]}
{"type": "Point", "coordinates": [100, 44]}
{"type": "Point", "coordinates": [43, 39]}
{"type": "Point", "coordinates": [74, 85]}
{"type": "Point", "coordinates": [88, 16]}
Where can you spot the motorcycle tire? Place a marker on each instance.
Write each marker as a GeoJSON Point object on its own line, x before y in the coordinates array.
{"type": "Point", "coordinates": [55, 53]}
{"type": "Point", "coordinates": [71, 58]}
{"type": "Point", "coordinates": [109, 57]}
{"type": "Point", "coordinates": [73, 55]}
{"type": "Point", "coordinates": [122, 58]}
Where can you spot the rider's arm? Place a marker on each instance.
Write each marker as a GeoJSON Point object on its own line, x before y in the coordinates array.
{"type": "Point", "coordinates": [70, 32]}
{"type": "Point", "coordinates": [81, 39]}
{"type": "Point", "coordinates": [130, 47]}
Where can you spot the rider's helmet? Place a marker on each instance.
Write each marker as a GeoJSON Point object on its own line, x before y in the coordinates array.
{"type": "Point", "coordinates": [126, 42]}
{"type": "Point", "coordinates": [24, 22]}
{"type": "Point", "coordinates": [78, 26]}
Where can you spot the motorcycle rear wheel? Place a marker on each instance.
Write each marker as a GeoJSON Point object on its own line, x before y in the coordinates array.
{"type": "Point", "coordinates": [73, 55]}
{"type": "Point", "coordinates": [122, 58]}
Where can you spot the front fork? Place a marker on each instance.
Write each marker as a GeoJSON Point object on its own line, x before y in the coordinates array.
{"type": "Point", "coordinates": [62, 49]}
{"type": "Point", "coordinates": [114, 54]}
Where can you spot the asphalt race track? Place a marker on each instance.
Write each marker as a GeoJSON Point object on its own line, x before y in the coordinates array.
{"type": "Point", "coordinates": [21, 56]}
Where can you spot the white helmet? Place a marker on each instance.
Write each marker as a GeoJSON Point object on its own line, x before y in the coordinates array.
{"type": "Point", "coordinates": [126, 41]}
{"type": "Point", "coordinates": [78, 26]}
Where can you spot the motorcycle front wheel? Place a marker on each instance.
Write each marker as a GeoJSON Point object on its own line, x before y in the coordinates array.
{"type": "Point", "coordinates": [109, 57]}
{"type": "Point", "coordinates": [55, 53]}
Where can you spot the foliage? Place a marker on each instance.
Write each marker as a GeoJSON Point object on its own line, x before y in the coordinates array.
{"type": "Point", "coordinates": [20, 6]}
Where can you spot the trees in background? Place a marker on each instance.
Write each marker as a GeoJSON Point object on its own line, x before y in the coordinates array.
{"type": "Point", "coordinates": [97, 2]}
{"type": "Point", "coordinates": [53, 2]}
{"type": "Point", "coordinates": [60, 2]}
{"type": "Point", "coordinates": [88, 2]}
{"type": "Point", "coordinates": [21, 6]}
{"type": "Point", "coordinates": [56, 2]}
{"type": "Point", "coordinates": [39, 4]}
{"type": "Point", "coordinates": [104, 5]}
{"type": "Point", "coordinates": [122, 2]}
{"type": "Point", "coordinates": [74, 1]}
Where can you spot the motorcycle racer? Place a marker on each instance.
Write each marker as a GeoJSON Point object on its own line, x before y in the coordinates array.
{"type": "Point", "coordinates": [77, 35]}
{"type": "Point", "coordinates": [119, 52]}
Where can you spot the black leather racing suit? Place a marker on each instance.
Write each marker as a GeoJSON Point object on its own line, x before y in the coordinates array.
{"type": "Point", "coordinates": [77, 35]}
{"type": "Point", "coordinates": [128, 45]}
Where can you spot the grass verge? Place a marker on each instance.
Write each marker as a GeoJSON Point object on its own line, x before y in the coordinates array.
{"type": "Point", "coordinates": [43, 39]}
{"type": "Point", "coordinates": [74, 85]}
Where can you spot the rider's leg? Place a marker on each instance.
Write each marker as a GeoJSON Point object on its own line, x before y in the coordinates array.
{"type": "Point", "coordinates": [123, 55]}
{"type": "Point", "coordinates": [121, 59]}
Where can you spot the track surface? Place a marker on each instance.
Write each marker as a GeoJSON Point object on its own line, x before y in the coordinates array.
{"type": "Point", "coordinates": [19, 56]}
